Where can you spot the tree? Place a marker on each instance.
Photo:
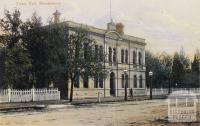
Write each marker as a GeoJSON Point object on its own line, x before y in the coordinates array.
{"type": "Point", "coordinates": [35, 41]}
{"type": "Point", "coordinates": [195, 63]}
{"type": "Point", "coordinates": [11, 27]}
{"type": "Point", "coordinates": [196, 68]}
{"type": "Point", "coordinates": [16, 58]}
{"type": "Point", "coordinates": [153, 64]}
{"type": "Point", "coordinates": [81, 58]}
{"type": "Point", "coordinates": [161, 65]}
{"type": "Point", "coordinates": [166, 65]}
{"type": "Point", "coordinates": [181, 66]}
{"type": "Point", "coordinates": [47, 48]}
{"type": "Point", "coordinates": [185, 61]}
{"type": "Point", "coordinates": [57, 57]}
{"type": "Point", "coordinates": [177, 69]}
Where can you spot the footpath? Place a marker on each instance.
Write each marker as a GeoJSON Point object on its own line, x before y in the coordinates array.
{"type": "Point", "coordinates": [4, 107]}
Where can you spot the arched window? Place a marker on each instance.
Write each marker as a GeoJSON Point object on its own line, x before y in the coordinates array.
{"type": "Point", "coordinates": [114, 55]}
{"type": "Point", "coordinates": [126, 81]}
{"type": "Point", "coordinates": [135, 81]}
{"type": "Point", "coordinates": [122, 56]}
{"type": "Point", "coordinates": [110, 55]}
{"type": "Point", "coordinates": [96, 82]}
{"type": "Point", "coordinates": [85, 46]}
{"type": "Point", "coordinates": [101, 82]}
{"type": "Point", "coordinates": [85, 81]}
{"type": "Point", "coordinates": [96, 51]}
{"type": "Point", "coordinates": [77, 81]}
{"type": "Point", "coordinates": [140, 58]}
{"type": "Point", "coordinates": [122, 81]}
{"type": "Point", "coordinates": [126, 56]}
{"type": "Point", "coordinates": [140, 81]}
{"type": "Point", "coordinates": [101, 53]}
{"type": "Point", "coordinates": [134, 57]}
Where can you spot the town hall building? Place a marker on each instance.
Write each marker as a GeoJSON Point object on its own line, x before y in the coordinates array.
{"type": "Point", "coordinates": [124, 62]}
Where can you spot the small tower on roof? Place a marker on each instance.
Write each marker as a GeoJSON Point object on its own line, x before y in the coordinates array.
{"type": "Point", "coordinates": [56, 16]}
{"type": "Point", "coordinates": [111, 26]}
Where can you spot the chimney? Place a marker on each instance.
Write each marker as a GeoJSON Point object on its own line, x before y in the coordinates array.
{"type": "Point", "coordinates": [120, 28]}
{"type": "Point", "coordinates": [56, 16]}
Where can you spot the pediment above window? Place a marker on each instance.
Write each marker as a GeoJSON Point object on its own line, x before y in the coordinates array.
{"type": "Point", "coordinates": [113, 35]}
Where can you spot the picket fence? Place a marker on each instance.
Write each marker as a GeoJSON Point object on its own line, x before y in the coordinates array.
{"type": "Point", "coordinates": [13, 95]}
{"type": "Point", "coordinates": [157, 91]}
{"type": "Point", "coordinates": [164, 91]}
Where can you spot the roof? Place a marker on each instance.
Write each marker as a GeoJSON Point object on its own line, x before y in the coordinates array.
{"type": "Point", "coordinates": [103, 31]}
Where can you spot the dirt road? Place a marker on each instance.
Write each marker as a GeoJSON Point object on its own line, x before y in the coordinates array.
{"type": "Point", "coordinates": [107, 114]}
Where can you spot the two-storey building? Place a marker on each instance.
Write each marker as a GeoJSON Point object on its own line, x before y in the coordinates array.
{"type": "Point", "coordinates": [124, 62]}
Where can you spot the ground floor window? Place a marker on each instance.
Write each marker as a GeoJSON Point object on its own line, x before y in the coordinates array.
{"type": "Point", "coordinates": [101, 82]}
{"type": "Point", "coordinates": [135, 81]}
{"type": "Point", "coordinates": [126, 81]}
{"type": "Point", "coordinates": [77, 82]}
{"type": "Point", "coordinates": [85, 81]}
{"type": "Point", "coordinates": [96, 82]}
{"type": "Point", "coordinates": [140, 81]}
{"type": "Point", "coordinates": [122, 80]}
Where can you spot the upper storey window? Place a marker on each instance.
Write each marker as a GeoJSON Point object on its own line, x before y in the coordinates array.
{"type": "Point", "coordinates": [122, 56]}
{"type": "Point", "coordinates": [101, 53]}
{"type": "Point", "coordinates": [140, 58]}
{"type": "Point", "coordinates": [85, 50]}
{"type": "Point", "coordinates": [110, 55]}
{"type": "Point", "coordinates": [114, 55]}
{"type": "Point", "coordinates": [134, 57]}
{"type": "Point", "coordinates": [96, 50]}
{"type": "Point", "coordinates": [126, 56]}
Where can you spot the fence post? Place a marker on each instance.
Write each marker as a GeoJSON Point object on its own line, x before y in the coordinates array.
{"type": "Point", "coordinates": [58, 95]}
{"type": "Point", "coordinates": [9, 95]}
{"type": "Point", "coordinates": [33, 94]}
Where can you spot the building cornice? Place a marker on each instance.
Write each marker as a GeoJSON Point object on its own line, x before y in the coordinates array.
{"type": "Point", "coordinates": [104, 33]}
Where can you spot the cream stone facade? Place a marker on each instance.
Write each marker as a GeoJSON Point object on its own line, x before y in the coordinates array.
{"type": "Point", "coordinates": [124, 63]}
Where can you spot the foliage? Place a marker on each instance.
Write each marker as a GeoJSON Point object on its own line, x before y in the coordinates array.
{"type": "Point", "coordinates": [16, 57]}
{"type": "Point", "coordinates": [173, 71]}
{"type": "Point", "coordinates": [196, 69]}
{"type": "Point", "coordinates": [17, 66]}
{"type": "Point", "coordinates": [195, 63]}
{"type": "Point", "coordinates": [58, 55]}
{"type": "Point", "coordinates": [180, 69]}
{"type": "Point", "coordinates": [161, 67]}
{"type": "Point", "coordinates": [81, 57]}
{"type": "Point", "coordinates": [35, 41]}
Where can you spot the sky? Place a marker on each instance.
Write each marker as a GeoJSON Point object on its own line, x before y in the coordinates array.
{"type": "Point", "coordinates": [167, 25]}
